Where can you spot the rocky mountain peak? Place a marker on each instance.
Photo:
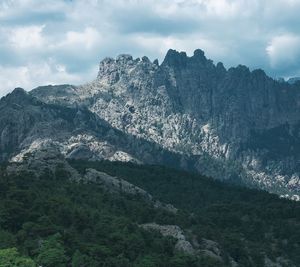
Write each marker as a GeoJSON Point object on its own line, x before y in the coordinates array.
{"type": "Point", "coordinates": [293, 80]}
{"type": "Point", "coordinates": [240, 69]}
{"type": "Point", "coordinates": [259, 73]}
{"type": "Point", "coordinates": [17, 93]}
{"type": "Point", "coordinates": [18, 90]}
{"type": "Point", "coordinates": [177, 60]}
{"type": "Point", "coordinates": [221, 70]}
{"type": "Point", "coordinates": [237, 118]}
{"type": "Point", "coordinates": [199, 55]}
{"type": "Point", "coordinates": [108, 70]}
{"type": "Point", "coordinates": [18, 97]}
{"type": "Point", "coordinates": [112, 70]}
{"type": "Point", "coordinates": [173, 58]}
{"type": "Point", "coordinates": [124, 58]}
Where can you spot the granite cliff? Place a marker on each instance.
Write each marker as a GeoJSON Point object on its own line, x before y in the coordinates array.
{"type": "Point", "coordinates": [231, 124]}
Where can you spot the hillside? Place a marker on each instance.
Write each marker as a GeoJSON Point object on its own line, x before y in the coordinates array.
{"type": "Point", "coordinates": [58, 221]}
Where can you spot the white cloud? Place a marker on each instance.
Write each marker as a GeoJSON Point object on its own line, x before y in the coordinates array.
{"type": "Point", "coordinates": [87, 39]}
{"type": "Point", "coordinates": [26, 37]}
{"type": "Point", "coordinates": [33, 75]}
{"type": "Point", "coordinates": [159, 45]}
{"type": "Point", "coordinates": [284, 51]}
{"type": "Point", "coordinates": [224, 8]}
{"type": "Point", "coordinates": [62, 39]}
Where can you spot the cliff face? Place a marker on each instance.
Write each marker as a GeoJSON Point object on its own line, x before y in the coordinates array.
{"type": "Point", "coordinates": [35, 131]}
{"type": "Point", "coordinates": [232, 124]}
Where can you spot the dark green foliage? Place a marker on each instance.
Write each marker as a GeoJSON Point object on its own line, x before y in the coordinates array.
{"type": "Point", "coordinates": [10, 257]}
{"type": "Point", "coordinates": [57, 222]}
{"type": "Point", "coordinates": [248, 223]}
{"type": "Point", "coordinates": [51, 252]}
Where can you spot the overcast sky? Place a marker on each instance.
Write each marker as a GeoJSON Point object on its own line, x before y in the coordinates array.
{"type": "Point", "coordinates": [62, 41]}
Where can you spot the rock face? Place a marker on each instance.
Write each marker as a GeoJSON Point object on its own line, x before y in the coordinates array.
{"type": "Point", "coordinates": [207, 248]}
{"type": "Point", "coordinates": [234, 124]}
{"type": "Point", "coordinates": [293, 80]}
{"type": "Point", "coordinates": [43, 158]}
{"type": "Point", "coordinates": [29, 126]}
{"type": "Point", "coordinates": [119, 185]}
{"type": "Point", "coordinates": [182, 244]}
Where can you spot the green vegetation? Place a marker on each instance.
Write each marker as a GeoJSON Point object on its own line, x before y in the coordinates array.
{"type": "Point", "coordinates": [56, 222]}
{"type": "Point", "coordinates": [11, 257]}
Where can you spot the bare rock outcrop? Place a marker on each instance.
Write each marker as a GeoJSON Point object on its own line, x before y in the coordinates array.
{"type": "Point", "coordinates": [230, 124]}
{"type": "Point", "coordinates": [119, 185]}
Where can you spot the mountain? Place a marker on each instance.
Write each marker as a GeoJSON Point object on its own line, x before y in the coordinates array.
{"type": "Point", "coordinates": [293, 80]}
{"type": "Point", "coordinates": [235, 124]}
{"type": "Point", "coordinates": [30, 127]}
{"type": "Point", "coordinates": [85, 175]}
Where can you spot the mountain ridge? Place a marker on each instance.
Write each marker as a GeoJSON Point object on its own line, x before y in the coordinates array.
{"type": "Point", "coordinates": [221, 119]}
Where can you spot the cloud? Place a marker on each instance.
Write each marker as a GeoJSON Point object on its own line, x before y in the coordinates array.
{"type": "Point", "coordinates": [33, 75]}
{"type": "Point", "coordinates": [26, 37]}
{"type": "Point", "coordinates": [87, 39]}
{"type": "Point", "coordinates": [158, 45]}
{"type": "Point", "coordinates": [62, 40]}
{"type": "Point", "coordinates": [283, 52]}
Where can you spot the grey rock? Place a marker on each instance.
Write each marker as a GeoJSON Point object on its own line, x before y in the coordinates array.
{"type": "Point", "coordinates": [43, 157]}
{"type": "Point", "coordinates": [234, 124]}
{"type": "Point", "coordinates": [119, 185]}
{"type": "Point", "coordinates": [166, 230]}
{"type": "Point", "coordinates": [207, 248]}
{"type": "Point", "coordinates": [279, 262]}
{"type": "Point", "coordinates": [185, 247]}
{"type": "Point", "coordinates": [211, 246]}
{"type": "Point", "coordinates": [115, 184]}
{"type": "Point", "coordinates": [293, 80]}
{"type": "Point", "coordinates": [182, 244]}
{"type": "Point", "coordinates": [80, 152]}
{"type": "Point", "coordinates": [26, 122]}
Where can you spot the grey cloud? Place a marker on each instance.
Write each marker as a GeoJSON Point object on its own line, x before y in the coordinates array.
{"type": "Point", "coordinates": [236, 32]}
{"type": "Point", "coordinates": [145, 21]}
{"type": "Point", "coordinates": [33, 17]}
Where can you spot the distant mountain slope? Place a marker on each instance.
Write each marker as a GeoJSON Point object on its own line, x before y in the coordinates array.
{"type": "Point", "coordinates": [293, 80]}
{"type": "Point", "coordinates": [238, 124]}
{"type": "Point", "coordinates": [28, 125]}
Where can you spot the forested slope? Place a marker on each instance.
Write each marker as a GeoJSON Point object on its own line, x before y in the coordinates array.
{"type": "Point", "coordinates": [54, 221]}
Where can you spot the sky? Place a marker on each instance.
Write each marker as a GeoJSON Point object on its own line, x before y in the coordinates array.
{"type": "Point", "coordinates": [62, 41]}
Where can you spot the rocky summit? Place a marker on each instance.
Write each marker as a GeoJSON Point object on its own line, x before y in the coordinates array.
{"type": "Point", "coordinates": [231, 124]}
